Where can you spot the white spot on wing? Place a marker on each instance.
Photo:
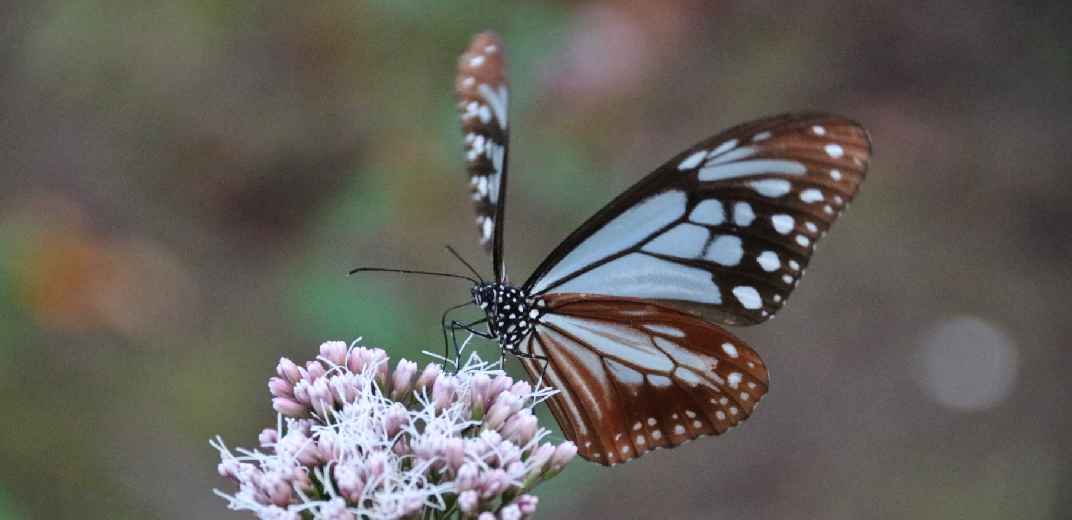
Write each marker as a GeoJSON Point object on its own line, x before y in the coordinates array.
{"type": "Point", "coordinates": [782, 223]}
{"type": "Point", "coordinates": [753, 167]}
{"type": "Point", "coordinates": [834, 150]}
{"type": "Point", "coordinates": [742, 214]}
{"type": "Point", "coordinates": [692, 161]}
{"type": "Point", "coordinates": [811, 195]}
{"type": "Point", "coordinates": [762, 136]}
{"type": "Point", "coordinates": [734, 379]}
{"type": "Point", "coordinates": [771, 187]}
{"type": "Point", "coordinates": [708, 211]}
{"type": "Point", "coordinates": [748, 296]}
{"type": "Point", "coordinates": [641, 276]}
{"type": "Point", "coordinates": [683, 241]}
{"type": "Point", "coordinates": [725, 250]}
{"type": "Point", "coordinates": [768, 260]}
{"type": "Point", "coordinates": [730, 350]}
{"type": "Point", "coordinates": [722, 148]}
{"type": "Point", "coordinates": [803, 240]}
{"type": "Point", "coordinates": [818, 130]}
{"type": "Point", "coordinates": [836, 175]}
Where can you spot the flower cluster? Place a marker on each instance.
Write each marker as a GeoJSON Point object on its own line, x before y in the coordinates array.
{"type": "Point", "coordinates": [356, 440]}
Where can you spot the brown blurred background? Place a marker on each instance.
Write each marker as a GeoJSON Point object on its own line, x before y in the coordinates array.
{"type": "Point", "coordinates": [184, 185]}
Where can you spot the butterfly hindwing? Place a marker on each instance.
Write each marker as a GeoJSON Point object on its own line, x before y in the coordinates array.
{"type": "Point", "coordinates": [724, 229]}
{"type": "Point", "coordinates": [636, 375]}
{"type": "Point", "coordinates": [483, 96]}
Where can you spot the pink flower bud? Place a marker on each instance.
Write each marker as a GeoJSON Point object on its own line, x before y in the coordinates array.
{"type": "Point", "coordinates": [510, 512]}
{"type": "Point", "coordinates": [540, 458]}
{"type": "Point", "coordinates": [402, 379]}
{"type": "Point", "coordinates": [505, 406]}
{"type": "Point", "coordinates": [334, 352]}
{"type": "Point", "coordinates": [350, 483]}
{"type": "Point", "coordinates": [328, 446]}
{"type": "Point", "coordinates": [521, 389]}
{"type": "Point", "coordinates": [516, 471]}
{"type": "Point", "coordinates": [527, 504]}
{"type": "Point", "coordinates": [429, 376]}
{"type": "Point", "coordinates": [402, 447]}
{"type": "Point", "coordinates": [301, 448]}
{"type": "Point", "coordinates": [300, 479]}
{"type": "Point", "coordinates": [321, 397]}
{"type": "Point", "coordinates": [479, 386]}
{"type": "Point", "coordinates": [494, 482]}
{"type": "Point", "coordinates": [378, 359]}
{"type": "Point", "coordinates": [486, 516]}
{"type": "Point", "coordinates": [454, 453]}
{"type": "Point", "coordinates": [276, 488]}
{"type": "Point", "coordinates": [301, 391]}
{"type": "Point", "coordinates": [314, 370]}
{"type": "Point", "coordinates": [498, 385]}
{"type": "Point", "coordinates": [563, 454]}
{"type": "Point", "coordinates": [376, 465]}
{"type": "Point", "coordinates": [288, 370]}
{"type": "Point", "coordinates": [280, 387]}
{"type": "Point", "coordinates": [507, 453]}
{"type": "Point", "coordinates": [344, 387]}
{"type": "Point", "coordinates": [394, 420]}
{"type": "Point", "coordinates": [357, 360]}
{"type": "Point", "coordinates": [443, 391]}
{"type": "Point", "coordinates": [289, 407]}
{"type": "Point", "coordinates": [468, 502]}
{"type": "Point", "coordinates": [229, 468]}
{"type": "Point", "coordinates": [335, 509]}
{"type": "Point", "coordinates": [467, 477]}
{"type": "Point", "coordinates": [520, 427]}
{"type": "Point", "coordinates": [268, 437]}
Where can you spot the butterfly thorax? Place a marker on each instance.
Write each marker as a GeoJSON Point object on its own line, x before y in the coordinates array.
{"type": "Point", "coordinates": [511, 313]}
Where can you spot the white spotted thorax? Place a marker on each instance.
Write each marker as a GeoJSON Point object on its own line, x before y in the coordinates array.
{"type": "Point", "coordinates": [511, 314]}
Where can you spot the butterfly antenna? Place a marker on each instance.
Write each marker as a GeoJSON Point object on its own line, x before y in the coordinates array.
{"type": "Point", "coordinates": [466, 264]}
{"type": "Point", "coordinates": [411, 271]}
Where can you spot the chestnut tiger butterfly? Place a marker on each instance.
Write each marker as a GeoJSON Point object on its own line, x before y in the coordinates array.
{"type": "Point", "coordinates": [621, 316]}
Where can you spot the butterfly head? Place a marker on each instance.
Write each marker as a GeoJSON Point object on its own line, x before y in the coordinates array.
{"type": "Point", "coordinates": [484, 295]}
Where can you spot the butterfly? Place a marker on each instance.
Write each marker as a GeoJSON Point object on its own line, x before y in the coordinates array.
{"type": "Point", "coordinates": [623, 317]}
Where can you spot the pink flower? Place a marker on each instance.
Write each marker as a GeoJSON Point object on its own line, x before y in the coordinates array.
{"type": "Point", "coordinates": [356, 440]}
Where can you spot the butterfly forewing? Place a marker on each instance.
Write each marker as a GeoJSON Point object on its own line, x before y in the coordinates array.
{"type": "Point", "coordinates": [635, 375]}
{"type": "Point", "coordinates": [483, 97]}
{"type": "Point", "coordinates": [726, 228]}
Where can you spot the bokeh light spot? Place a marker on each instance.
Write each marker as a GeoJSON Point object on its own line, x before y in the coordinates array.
{"type": "Point", "coordinates": [967, 364]}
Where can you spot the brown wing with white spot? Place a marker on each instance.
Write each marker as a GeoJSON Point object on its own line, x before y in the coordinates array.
{"type": "Point", "coordinates": [634, 375]}
{"type": "Point", "coordinates": [725, 228]}
{"type": "Point", "coordinates": [483, 97]}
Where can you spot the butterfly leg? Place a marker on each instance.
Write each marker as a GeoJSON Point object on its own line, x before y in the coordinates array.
{"type": "Point", "coordinates": [443, 324]}
{"type": "Point", "coordinates": [456, 326]}
{"type": "Point", "coordinates": [543, 360]}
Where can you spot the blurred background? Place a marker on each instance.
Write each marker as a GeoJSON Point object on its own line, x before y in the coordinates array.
{"type": "Point", "coordinates": [184, 186]}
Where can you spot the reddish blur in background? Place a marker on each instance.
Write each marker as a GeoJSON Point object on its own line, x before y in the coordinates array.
{"type": "Point", "coordinates": [184, 186]}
